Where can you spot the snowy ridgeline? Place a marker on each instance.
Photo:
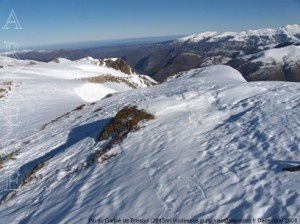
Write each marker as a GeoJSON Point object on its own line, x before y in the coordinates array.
{"type": "Point", "coordinates": [265, 36]}
{"type": "Point", "coordinates": [216, 149]}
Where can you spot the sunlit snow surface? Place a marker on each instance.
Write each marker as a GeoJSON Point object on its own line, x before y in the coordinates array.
{"type": "Point", "coordinates": [289, 54]}
{"type": "Point", "coordinates": [43, 91]}
{"type": "Point", "coordinates": [215, 149]}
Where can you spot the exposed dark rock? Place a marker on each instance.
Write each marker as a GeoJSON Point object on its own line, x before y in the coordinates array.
{"type": "Point", "coordinates": [292, 169]}
{"type": "Point", "coordinates": [125, 121]}
{"type": "Point", "coordinates": [118, 64]}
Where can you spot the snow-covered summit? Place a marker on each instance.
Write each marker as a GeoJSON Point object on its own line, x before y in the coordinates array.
{"type": "Point", "coordinates": [215, 74]}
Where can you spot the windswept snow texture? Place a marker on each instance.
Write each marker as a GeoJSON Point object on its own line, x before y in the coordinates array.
{"type": "Point", "coordinates": [216, 149]}
{"type": "Point", "coordinates": [47, 90]}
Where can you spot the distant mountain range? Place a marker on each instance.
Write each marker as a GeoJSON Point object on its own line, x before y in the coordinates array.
{"type": "Point", "coordinates": [254, 53]}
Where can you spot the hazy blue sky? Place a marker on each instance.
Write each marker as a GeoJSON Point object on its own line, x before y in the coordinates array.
{"type": "Point", "coordinates": [63, 21]}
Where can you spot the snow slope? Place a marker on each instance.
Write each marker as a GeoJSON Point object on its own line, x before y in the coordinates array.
{"type": "Point", "coordinates": [7, 61]}
{"type": "Point", "coordinates": [289, 54]}
{"type": "Point", "coordinates": [47, 90]}
{"type": "Point", "coordinates": [215, 149]}
{"type": "Point", "coordinates": [273, 64]}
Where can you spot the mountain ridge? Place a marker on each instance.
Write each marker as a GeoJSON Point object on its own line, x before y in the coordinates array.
{"type": "Point", "coordinates": [291, 31]}
{"type": "Point", "coordinates": [163, 59]}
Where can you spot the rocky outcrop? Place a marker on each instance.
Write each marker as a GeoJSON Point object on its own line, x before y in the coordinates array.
{"type": "Point", "coordinates": [116, 63]}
